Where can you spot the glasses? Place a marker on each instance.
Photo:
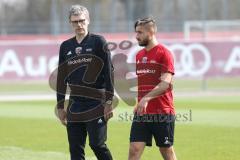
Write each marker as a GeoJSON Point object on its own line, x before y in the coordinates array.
{"type": "Point", "coordinates": [80, 21]}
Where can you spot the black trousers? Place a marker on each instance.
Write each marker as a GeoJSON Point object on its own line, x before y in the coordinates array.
{"type": "Point", "coordinates": [96, 130]}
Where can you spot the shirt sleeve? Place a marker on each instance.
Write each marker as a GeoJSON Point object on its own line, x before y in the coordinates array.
{"type": "Point", "coordinates": [167, 61]}
{"type": "Point", "coordinates": [61, 85]}
{"type": "Point", "coordinates": [108, 69]}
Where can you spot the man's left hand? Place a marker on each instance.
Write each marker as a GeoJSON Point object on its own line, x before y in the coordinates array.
{"type": "Point", "coordinates": [141, 106]}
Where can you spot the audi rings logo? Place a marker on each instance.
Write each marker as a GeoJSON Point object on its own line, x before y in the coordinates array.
{"type": "Point", "coordinates": [191, 60]}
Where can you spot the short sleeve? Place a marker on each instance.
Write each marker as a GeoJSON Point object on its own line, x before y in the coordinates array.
{"type": "Point", "coordinates": [167, 61]}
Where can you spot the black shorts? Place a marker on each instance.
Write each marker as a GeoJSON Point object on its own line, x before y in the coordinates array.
{"type": "Point", "coordinates": [161, 127]}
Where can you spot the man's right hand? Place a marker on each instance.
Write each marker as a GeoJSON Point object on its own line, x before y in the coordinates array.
{"type": "Point", "coordinates": [108, 111]}
{"type": "Point", "coordinates": [62, 115]}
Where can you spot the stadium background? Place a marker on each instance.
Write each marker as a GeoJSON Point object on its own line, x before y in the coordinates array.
{"type": "Point", "coordinates": [203, 35]}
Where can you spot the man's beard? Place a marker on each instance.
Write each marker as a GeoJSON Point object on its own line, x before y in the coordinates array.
{"type": "Point", "coordinates": [143, 43]}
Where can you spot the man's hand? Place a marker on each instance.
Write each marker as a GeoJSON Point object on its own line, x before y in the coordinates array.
{"type": "Point", "coordinates": [108, 113]}
{"type": "Point", "coordinates": [62, 115]}
{"type": "Point", "coordinates": [141, 106]}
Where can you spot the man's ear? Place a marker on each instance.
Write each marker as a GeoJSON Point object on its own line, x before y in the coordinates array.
{"type": "Point", "coordinates": [151, 33]}
{"type": "Point", "coordinates": [88, 20]}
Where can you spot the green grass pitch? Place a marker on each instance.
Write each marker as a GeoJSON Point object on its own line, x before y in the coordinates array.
{"type": "Point", "coordinates": [209, 130]}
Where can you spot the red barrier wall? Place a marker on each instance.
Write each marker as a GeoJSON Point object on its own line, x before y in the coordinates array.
{"type": "Point", "coordinates": [34, 58]}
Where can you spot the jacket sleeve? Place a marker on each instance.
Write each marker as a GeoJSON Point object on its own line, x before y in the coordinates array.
{"type": "Point", "coordinates": [61, 82]}
{"type": "Point", "coordinates": [108, 69]}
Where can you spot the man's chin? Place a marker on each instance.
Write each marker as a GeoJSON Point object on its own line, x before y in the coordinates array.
{"type": "Point", "coordinates": [80, 33]}
{"type": "Point", "coordinates": [142, 44]}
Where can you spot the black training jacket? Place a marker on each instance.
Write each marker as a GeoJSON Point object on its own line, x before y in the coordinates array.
{"type": "Point", "coordinates": [86, 68]}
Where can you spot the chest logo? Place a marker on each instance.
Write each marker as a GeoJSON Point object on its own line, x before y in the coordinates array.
{"type": "Point", "coordinates": [153, 61]}
{"type": "Point", "coordinates": [78, 50]}
{"type": "Point", "coordinates": [89, 50]}
{"type": "Point", "coordinates": [69, 53]}
{"type": "Point", "coordinates": [144, 60]}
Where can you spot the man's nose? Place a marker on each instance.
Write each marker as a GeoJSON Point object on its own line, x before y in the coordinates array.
{"type": "Point", "coordinates": [79, 24]}
{"type": "Point", "coordinates": [137, 36]}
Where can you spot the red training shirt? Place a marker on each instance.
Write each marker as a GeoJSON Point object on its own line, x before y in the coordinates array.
{"type": "Point", "coordinates": [149, 66]}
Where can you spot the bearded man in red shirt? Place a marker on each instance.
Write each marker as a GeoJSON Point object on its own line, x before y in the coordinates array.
{"type": "Point", "coordinates": [154, 115]}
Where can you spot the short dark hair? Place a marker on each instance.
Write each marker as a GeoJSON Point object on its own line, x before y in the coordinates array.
{"type": "Point", "coordinates": [144, 21]}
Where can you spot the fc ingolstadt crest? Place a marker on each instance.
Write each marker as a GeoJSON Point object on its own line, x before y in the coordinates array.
{"type": "Point", "coordinates": [78, 50]}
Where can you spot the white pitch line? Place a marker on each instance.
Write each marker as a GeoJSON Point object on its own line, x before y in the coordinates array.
{"type": "Point", "coordinates": [27, 97]}
{"type": "Point", "coordinates": [16, 153]}
{"type": "Point", "coordinates": [183, 94]}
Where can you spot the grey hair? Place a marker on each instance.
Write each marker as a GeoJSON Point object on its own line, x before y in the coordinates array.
{"type": "Point", "coordinates": [78, 10]}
